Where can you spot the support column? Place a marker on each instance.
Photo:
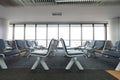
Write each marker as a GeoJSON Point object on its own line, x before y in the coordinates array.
{"type": "Point", "coordinates": [114, 29]}
{"type": "Point", "coordinates": [4, 27]}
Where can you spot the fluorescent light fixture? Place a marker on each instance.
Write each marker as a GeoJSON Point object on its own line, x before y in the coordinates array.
{"type": "Point", "coordinates": [75, 0]}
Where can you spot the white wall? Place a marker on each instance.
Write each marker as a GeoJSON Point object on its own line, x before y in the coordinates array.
{"type": "Point", "coordinates": [4, 26]}
{"type": "Point", "coordinates": [71, 13]}
{"type": "Point", "coordinates": [114, 29]}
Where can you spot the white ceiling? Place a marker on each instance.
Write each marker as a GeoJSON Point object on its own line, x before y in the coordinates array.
{"type": "Point", "coordinates": [70, 13]}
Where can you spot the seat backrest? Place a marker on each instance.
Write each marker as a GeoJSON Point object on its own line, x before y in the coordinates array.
{"type": "Point", "coordinates": [99, 45]}
{"type": "Point", "coordinates": [2, 45]}
{"type": "Point", "coordinates": [55, 44]}
{"type": "Point", "coordinates": [117, 45]}
{"type": "Point", "coordinates": [10, 43]}
{"type": "Point", "coordinates": [35, 43]}
{"type": "Point", "coordinates": [91, 44]}
{"type": "Point", "coordinates": [20, 44]}
{"type": "Point", "coordinates": [29, 43]}
{"type": "Point", "coordinates": [64, 46]}
{"type": "Point", "coordinates": [52, 45]}
{"type": "Point", "coordinates": [85, 44]}
{"type": "Point", "coordinates": [108, 45]}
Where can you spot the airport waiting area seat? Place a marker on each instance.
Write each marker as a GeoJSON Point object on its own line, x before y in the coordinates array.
{"type": "Point", "coordinates": [22, 47]}
{"type": "Point", "coordinates": [73, 54]}
{"type": "Point", "coordinates": [41, 54]}
{"type": "Point", "coordinates": [9, 44]}
{"type": "Point", "coordinates": [83, 46]}
{"type": "Point", "coordinates": [37, 46]}
{"type": "Point", "coordinates": [97, 46]}
{"type": "Point", "coordinates": [114, 52]}
{"type": "Point", "coordinates": [4, 52]}
{"type": "Point", "coordinates": [30, 45]}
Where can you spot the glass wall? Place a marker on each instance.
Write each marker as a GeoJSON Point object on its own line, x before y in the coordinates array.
{"type": "Point", "coordinates": [73, 34]}
{"type": "Point", "coordinates": [52, 32]}
{"type": "Point", "coordinates": [30, 32]}
{"type": "Point", "coordinates": [41, 34]}
{"type": "Point", "coordinates": [10, 36]}
{"type": "Point", "coordinates": [99, 32]}
{"type": "Point", "coordinates": [64, 33]}
{"type": "Point", "coordinates": [19, 32]}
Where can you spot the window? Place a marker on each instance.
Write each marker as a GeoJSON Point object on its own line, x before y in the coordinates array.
{"type": "Point", "coordinates": [30, 32]}
{"type": "Point", "coordinates": [99, 32]}
{"type": "Point", "coordinates": [87, 32]}
{"type": "Point", "coordinates": [19, 32]}
{"type": "Point", "coordinates": [75, 35]}
{"type": "Point", "coordinates": [10, 36]}
{"type": "Point", "coordinates": [64, 33]}
{"type": "Point", "coordinates": [52, 31]}
{"type": "Point", "coordinates": [41, 34]}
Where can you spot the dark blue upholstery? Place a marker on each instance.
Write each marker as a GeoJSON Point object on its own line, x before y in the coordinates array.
{"type": "Point", "coordinates": [10, 43]}
{"type": "Point", "coordinates": [99, 45]}
{"type": "Point", "coordinates": [117, 45]}
{"type": "Point", "coordinates": [10, 52]}
{"type": "Point", "coordinates": [115, 51]}
{"type": "Point", "coordinates": [108, 45]}
{"type": "Point", "coordinates": [29, 43]}
{"type": "Point", "coordinates": [2, 45]}
{"type": "Point", "coordinates": [6, 52]}
{"type": "Point", "coordinates": [21, 44]}
{"type": "Point", "coordinates": [112, 54]}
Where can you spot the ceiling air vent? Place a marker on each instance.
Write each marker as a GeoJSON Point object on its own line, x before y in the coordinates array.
{"type": "Point", "coordinates": [57, 14]}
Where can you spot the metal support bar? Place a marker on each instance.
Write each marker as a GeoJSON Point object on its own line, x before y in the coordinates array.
{"type": "Point", "coordinates": [74, 59]}
{"type": "Point", "coordinates": [2, 63]}
{"type": "Point", "coordinates": [118, 67]}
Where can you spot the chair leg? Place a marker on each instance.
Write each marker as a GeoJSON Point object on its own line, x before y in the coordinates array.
{"type": "Point", "coordinates": [44, 64]}
{"type": "Point", "coordinates": [2, 63]}
{"type": "Point", "coordinates": [36, 63]}
{"type": "Point", "coordinates": [70, 64]}
{"type": "Point", "coordinates": [78, 64]}
{"type": "Point", "coordinates": [118, 67]}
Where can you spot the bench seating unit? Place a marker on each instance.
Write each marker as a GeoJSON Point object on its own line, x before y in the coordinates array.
{"type": "Point", "coordinates": [73, 54]}
{"type": "Point", "coordinates": [5, 53]}
{"type": "Point", "coordinates": [114, 52]}
{"type": "Point", "coordinates": [41, 54]}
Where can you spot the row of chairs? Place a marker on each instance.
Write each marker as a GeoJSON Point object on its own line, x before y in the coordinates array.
{"type": "Point", "coordinates": [92, 47]}
{"type": "Point", "coordinates": [96, 46]}
{"type": "Point", "coordinates": [103, 47]}
{"type": "Point", "coordinates": [73, 54]}
{"type": "Point", "coordinates": [16, 47]}
{"type": "Point", "coordinates": [4, 51]}
{"type": "Point", "coordinates": [23, 46]}
{"type": "Point", "coordinates": [114, 52]}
